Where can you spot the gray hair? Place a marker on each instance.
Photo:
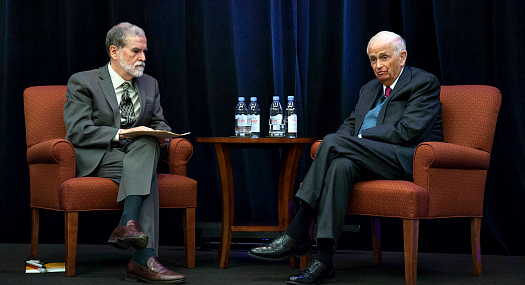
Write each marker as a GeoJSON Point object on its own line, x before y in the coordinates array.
{"type": "Point", "coordinates": [397, 42]}
{"type": "Point", "coordinates": [117, 35]}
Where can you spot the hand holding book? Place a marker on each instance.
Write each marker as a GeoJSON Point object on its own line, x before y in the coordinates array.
{"type": "Point", "coordinates": [130, 133]}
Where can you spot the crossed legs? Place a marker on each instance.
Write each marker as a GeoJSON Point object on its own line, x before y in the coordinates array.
{"type": "Point", "coordinates": [133, 167]}
{"type": "Point", "coordinates": [340, 162]}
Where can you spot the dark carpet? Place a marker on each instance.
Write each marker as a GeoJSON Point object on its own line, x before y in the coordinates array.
{"type": "Point", "coordinates": [101, 264]}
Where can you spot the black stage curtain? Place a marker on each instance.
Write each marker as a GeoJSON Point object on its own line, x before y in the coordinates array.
{"type": "Point", "coordinates": [207, 53]}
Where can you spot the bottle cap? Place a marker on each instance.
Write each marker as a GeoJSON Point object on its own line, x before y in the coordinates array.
{"type": "Point", "coordinates": [241, 99]}
{"type": "Point", "coordinates": [253, 99]}
{"type": "Point", "coordinates": [290, 98]}
{"type": "Point", "coordinates": [275, 98]}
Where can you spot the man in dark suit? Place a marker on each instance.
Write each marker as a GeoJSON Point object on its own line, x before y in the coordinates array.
{"type": "Point", "coordinates": [395, 112]}
{"type": "Point", "coordinates": [102, 106]}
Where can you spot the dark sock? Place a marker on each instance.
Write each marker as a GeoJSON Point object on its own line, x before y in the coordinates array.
{"type": "Point", "coordinates": [325, 251]}
{"type": "Point", "coordinates": [141, 257]}
{"type": "Point", "coordinates": [132, 205]}
{"type": "Point", "coordinates": [299, 228]}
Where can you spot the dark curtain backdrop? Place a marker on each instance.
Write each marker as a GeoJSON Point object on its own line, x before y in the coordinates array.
{"type": "Point", "coordinates": [207, 53]}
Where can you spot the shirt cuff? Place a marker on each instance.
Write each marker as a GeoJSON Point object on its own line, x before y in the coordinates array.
{"type": "Point", "coordinates": [116, 137]}
{"type": "Point", "coordinates": [359, 136]}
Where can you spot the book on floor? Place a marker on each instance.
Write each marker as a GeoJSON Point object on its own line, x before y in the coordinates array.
{"type": "Point", "coordinates": [38, 266]}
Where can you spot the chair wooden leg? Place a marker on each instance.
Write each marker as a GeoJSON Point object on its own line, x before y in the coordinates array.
{"type": "Point", "coordinates": [475, 228]}
{"type": "Point", "coordinates": [71, 232]}
{"type": "Point", "coordinates": [35, 226]}
{"type": "Point", "coordinates": [304, 261]}
{"type": "Point", "coordinates": [295, 262]}
{"type": "Point", "coordinates": [188, 216]}
{"type": "Point", "coordinates": [376, 239]}
{"type": "Point", "coordinates": [410, 237]}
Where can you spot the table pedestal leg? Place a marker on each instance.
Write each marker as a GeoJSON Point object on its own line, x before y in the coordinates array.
{"type": "Point", "coordinates": [288, 170]}
{"type": "Point", "coordinates": [225, 169]}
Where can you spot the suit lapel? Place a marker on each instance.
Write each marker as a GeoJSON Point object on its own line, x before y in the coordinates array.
{"type": "Point", "coordinates": [142, 96]}
{"type": "Point", "coordinates": [106, 85]}
{"type": "Point", "coordinates": [403, 80]}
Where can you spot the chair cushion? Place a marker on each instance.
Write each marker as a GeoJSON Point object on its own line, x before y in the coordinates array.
{"type": "Point", "coordinates": [176, 191]}
{"type": "Point", "coordinates": [95, 193]}
{"type": "Point", "coordinates": [389, 198]}
{"type": "Point", "coordinates": [88, 194]}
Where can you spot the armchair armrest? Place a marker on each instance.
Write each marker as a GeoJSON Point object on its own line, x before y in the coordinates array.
{"type": "Point", "coordinates": [454, 176]}
{"type": "Point", "coordinates": [447, 155]}
{"type": "Point", "coordinates": [50, 164]}
{"type": "Point", "coordinates": [179, 152]}
{"type": "Point", "coordinates": [56, 151]}
{"type": "Point", "coordinates": [440, 155]}
{"type": "Point", "coordinates": [313, 149]}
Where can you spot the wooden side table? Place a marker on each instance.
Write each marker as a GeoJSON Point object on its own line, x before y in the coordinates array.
{"type": "Point", "coordinates": [291, 154]}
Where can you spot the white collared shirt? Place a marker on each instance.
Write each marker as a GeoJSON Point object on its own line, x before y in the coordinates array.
{"type": "Point", "coordinates": [393, 84]}
{"type": "Point", "coordinates": [117, 81]}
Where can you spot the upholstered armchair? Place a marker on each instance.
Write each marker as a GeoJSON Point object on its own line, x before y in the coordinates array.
{"type": "Point", "coordinates": [449, 177]}
{"type": "Point", "coordinates": [53, 185]}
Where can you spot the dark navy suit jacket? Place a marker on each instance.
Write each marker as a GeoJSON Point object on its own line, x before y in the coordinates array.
{"type": "Point", "coordinates": [409, 116]}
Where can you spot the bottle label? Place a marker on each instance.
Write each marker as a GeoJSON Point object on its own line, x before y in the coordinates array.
{"type": "Point", "coordinates": [255, 121]}
{"type": "Point", "coordinates": [275, 122]}
{"type": "Point", "coordinates": [292, 123]}
{"type": "Point", "coordinates": [242, 120]}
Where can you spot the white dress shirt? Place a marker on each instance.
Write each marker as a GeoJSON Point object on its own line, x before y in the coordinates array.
{"type": "Point", "coordinates": [117, 82]}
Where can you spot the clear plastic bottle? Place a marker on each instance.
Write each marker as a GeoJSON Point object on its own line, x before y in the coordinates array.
{"type": "Point", "coordinates": [276, 119]}
{"type": "Point", "coordinates": [290, 118]}
{"type": "Point", "coordinates": [254, 116]}
{"type": "Point", "coordinates": [242, 125]}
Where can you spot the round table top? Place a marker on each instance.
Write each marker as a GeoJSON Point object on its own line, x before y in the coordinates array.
{"type": "Point", "coordinates": [264, 140]}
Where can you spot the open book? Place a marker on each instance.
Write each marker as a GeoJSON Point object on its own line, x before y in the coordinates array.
{"type": "Point", "coordinates": [158, 134]}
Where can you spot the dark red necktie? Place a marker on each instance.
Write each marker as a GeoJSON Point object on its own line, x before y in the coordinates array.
{"type": "Point", "coordinates": [387, 92]}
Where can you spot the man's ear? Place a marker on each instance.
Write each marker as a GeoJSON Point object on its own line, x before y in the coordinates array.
{"type": "Point", "coordinates": [113, 52]}
{"type": "Point", "coordinates": [403, 56]}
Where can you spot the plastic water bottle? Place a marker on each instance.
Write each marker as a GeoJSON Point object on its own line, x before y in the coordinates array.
{"type": "Point", "coordinates": [254, 116]}
{"type": "Point", "coordinates": [242, 124]}
{"type": "Point", "coordinates": [291, 118]}
{"type": "Point", "coordinates": [276, 118]}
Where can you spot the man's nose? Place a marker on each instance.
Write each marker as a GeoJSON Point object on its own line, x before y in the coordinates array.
{"type": "Point", "coordinates": [142, 56]}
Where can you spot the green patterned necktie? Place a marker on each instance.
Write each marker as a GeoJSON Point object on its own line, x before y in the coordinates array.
{"type": "Point", "coordinates": [126, 107]}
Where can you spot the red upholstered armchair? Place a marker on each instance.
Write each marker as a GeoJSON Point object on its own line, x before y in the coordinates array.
{"type": "Point", "coordinates": [449, 176]}
{"type": "Point", "coordinates": [53, 185]}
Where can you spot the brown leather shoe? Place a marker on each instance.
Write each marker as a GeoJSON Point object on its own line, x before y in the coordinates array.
{"type": "Point", "coordinates": [154, 273]}
{"type": "Point", "coordinates": [127, 236]}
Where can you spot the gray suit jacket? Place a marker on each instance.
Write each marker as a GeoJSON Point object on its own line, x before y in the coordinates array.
{"type": "Point", "coordinates": [409, 116]}
{"type": "Point", "coordinates": [92, 115]}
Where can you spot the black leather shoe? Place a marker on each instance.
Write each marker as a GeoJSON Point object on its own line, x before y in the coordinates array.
{"type": "Point", "coordinates": [282, 247]}
{"type": "Point", "coordinates": [317, 272]}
